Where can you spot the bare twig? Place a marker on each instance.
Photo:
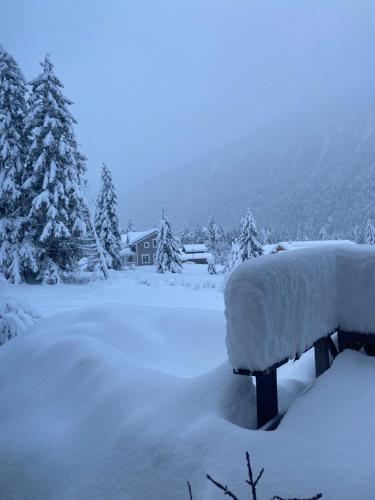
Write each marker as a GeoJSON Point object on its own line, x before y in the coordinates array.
{"type": "Point", "coordinates": [190, 493]}
{"type": "Point", "coordinates": [251, 481]}
{"type": "Point", "coordinates": [223, 488]}
{"type": "Point", "coordinates": [253, 484]}
{"type": "Point", "coordinates": [315, 497]}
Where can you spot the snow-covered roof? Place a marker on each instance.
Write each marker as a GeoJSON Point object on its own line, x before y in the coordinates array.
{"type": "Point", "coordinates": [135, 236]}
{"type": "Point", "coordinates": [195, 248]}
{"type": "Point", "coordinates": [200, 255]}
{"type": "Point", "coordinates": [277, 306]}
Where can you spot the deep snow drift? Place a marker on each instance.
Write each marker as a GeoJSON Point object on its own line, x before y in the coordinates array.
{"type": "Point", "coordinates": [279, 305]}
{"type": "Point", "coordinates": [125, 400]}
{"type": "Point", "coordinates": [84, 416]}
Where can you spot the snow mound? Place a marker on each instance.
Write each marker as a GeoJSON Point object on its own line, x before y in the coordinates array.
{"type": "Point", "coordinates": [82, 418]}
{"type": "Point", "coordinates": [96, 423]}
{"type": "Point", "coordinates": [153, 337]}
{"type": "Point", "coordinates": [279, 305]}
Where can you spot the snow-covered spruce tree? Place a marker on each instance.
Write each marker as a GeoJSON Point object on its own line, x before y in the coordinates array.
{"type": "Point", "coordinates": [54, 168]}
{"type": "Point", "coordinates": [14, 318]}
{"type": "Point", "coordinates": [106, 219]}
{"type": "Point", "coordinates": [233, 257]}
{"type": "Point", "coordinates": [187, 236]}
{"type": "Point", "coordinates": [17, 254]}
{"type": "Point", "coordinates": [370, 233]}
{"type": "Point", "coordinates": [211, 233]}
{"type": "Point", "coordinates": [263, 236]}
{"type": "Point", "coordinates": [356, 235]}
{"type": "Point", "coordinates": [249, 244]}
{"type": "Point", "coordinates": [130, 228]}
{"type": "Point", "coordinates": [167, 252]}
{"type": "Point", "coordinates": [95, 255]}
{"type": "Point", "coordinates": [323, 235]}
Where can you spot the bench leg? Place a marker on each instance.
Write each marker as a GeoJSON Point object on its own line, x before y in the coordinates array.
{"type": "Point", "coordinates": [342, 341]}
{"type": "Point", "coordinates": [321, 351]}
{"type": "Point", "coordinates": [266, 389]}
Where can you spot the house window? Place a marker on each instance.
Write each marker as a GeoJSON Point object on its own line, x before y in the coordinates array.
{"type": "Point", "coordinates": [146, 244]}
{"type": "Point", "coordinates": [145, 258]}
{"type": "Point", "coordinates": [154, 243]}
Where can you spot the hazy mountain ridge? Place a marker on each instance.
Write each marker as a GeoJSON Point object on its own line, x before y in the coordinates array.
{"type": "Point", "coordinates": [293, 176]}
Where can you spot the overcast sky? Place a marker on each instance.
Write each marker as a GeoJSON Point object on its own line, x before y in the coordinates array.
{"type": "Point", "coordinates": [157, 83]}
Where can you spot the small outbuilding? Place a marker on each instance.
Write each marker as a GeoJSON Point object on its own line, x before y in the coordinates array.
{"type": "Point", "coordinates": [196, 253]}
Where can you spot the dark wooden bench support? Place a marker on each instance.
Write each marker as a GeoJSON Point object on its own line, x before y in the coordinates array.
{"type": "Point", "coordinates": [266, 393]}
{"type": "Point", "coordinates": [321, 351]}
{"type": "Point", "coordinates": [267, 405]}
{"type": "Point", "coordinates": [355, 340]}
{"type": "Point", "coordinates": [324, 350]}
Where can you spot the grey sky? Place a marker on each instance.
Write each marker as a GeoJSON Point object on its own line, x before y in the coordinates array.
{"type": "Point", "coordinates": [157, 83]}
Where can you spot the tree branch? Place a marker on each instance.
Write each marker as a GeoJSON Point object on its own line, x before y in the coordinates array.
{"type": "Point", "coordinates": [221, 487]}
{"type": "Point", "coordinates": [315, 497]}
{"type": "Point", "coordinates": [190, 493]}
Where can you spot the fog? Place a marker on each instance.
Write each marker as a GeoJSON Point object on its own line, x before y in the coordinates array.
{"type": "Point", "coordinates": [158, 83]}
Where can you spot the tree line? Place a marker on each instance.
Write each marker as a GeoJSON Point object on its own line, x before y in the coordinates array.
{"type": "Point", "coordinates": [46, 227]}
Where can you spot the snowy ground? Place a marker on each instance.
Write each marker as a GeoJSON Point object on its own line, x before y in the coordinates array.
{"type": "Point", "coordinates": [141, 286]}
{"type": "Point", "coordinates": [123, 391]}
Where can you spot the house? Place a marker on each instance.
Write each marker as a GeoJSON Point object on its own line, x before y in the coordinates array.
{"type": "Point", "coordinates": [138, 248]}
{"type": "Point", "coordinates": [197, 253]}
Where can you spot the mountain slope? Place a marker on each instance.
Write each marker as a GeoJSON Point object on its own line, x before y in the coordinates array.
{"type": "Point", "coordinates": [308, 173]}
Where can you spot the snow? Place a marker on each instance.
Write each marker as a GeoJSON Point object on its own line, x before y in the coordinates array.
{"type": "Point", "coordinates": [296, 245]}
{"type": "Point", "coordinates": [108, 410]}
{"type": "Point", "coordinates": [279, 305]}
{"type": "Point", "coordinates": [123, 390]}
{"type": "Point", "coordinates": [15, 318]}
{"type": "Point", "coordinates": [153, 337]}
{"type": "Point", "coordinates": [135, 236]}
{"type": "Point", "coordinates": [193, 288]}
{"type": "Point", "coordinates": [194, 248]}
{"type": "Point", "coordinates": [127, 251]}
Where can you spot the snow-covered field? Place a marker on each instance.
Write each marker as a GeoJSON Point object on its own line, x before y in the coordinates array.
{"type": "Point", "coordinates": [123, 391]}
{"type": "Point", "coordinates": [141, 286]}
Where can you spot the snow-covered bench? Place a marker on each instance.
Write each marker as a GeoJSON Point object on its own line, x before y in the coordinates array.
{"type": "Point", "coordinates": [278, 306]}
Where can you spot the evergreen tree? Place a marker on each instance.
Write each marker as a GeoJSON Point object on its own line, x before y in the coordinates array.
{"type": "Point", "coordinates": [356, 236]}
{"type": "Point", "coordinates": [211, 233]}
{"type": "Point", "coordinates": [323, 233]}
{"type": "Point", "coordinates": [167, 252]}
{"type": "Point", "coordinates": [130, 226]}
{"type": "Point", "coordinates": [233, 258]}
{"type": "Point", "coordinates": [17, 255]}
{"type": "Point", "coordinates": [106, 220]}
{"type": "Point", "coordinates": [266, 236]}
{"type": "Point", "coordinates": [249, 244]}
{"type": "Point", "coordinates": [370, 233]}
{"type": "Point", "coordinates": [215, 240]}
{"type": "Point", "coordinates": [55, 169]}
{"type": "Point", "coordinates": [306, 233]}
{"type": "Point", "coordinates": [199, 234]}
{"type": "Point", "coordinates": [187, 236]}
{"type": "Point", "coordinates": [95, 254]}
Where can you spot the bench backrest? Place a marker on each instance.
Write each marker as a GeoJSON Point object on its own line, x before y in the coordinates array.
{"type": "Point", "coordinates": [278, 305]}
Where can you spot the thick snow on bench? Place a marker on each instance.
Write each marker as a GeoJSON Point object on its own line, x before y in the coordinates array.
{"type": "Point", "coordinates": [278, 305]}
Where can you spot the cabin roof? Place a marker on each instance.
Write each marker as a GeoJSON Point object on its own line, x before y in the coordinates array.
{"type": "Point", "coordinates": [195, 248]}
{"type": "Point", "coordinates": [135, 236]}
